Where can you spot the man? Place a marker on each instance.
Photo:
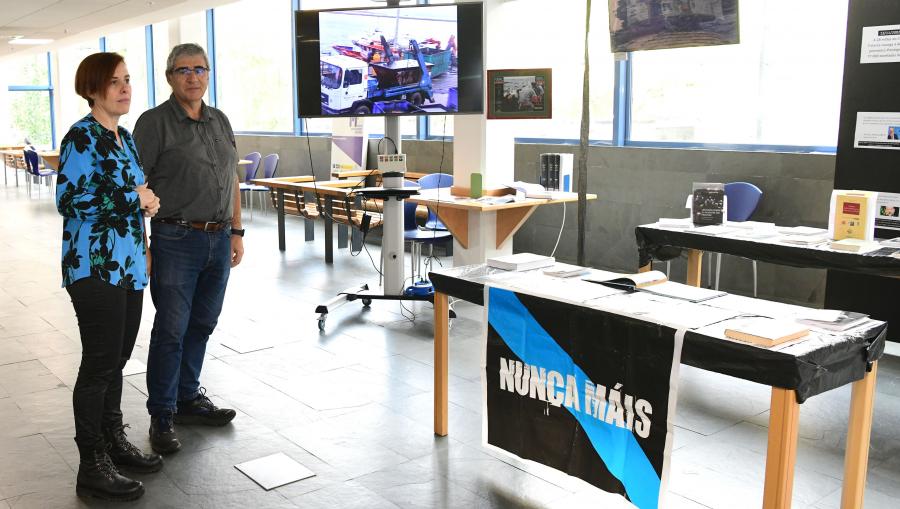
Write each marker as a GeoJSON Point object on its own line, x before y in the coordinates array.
{"type": "Point", "coordinates": [189, 157]}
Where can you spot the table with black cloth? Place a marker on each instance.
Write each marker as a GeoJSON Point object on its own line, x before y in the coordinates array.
{"type": "Point", "coordinates": [795, 373]}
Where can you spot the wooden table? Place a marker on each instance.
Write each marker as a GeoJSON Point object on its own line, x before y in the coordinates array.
{"type": "Point", "coordinates": [51, 159]}
{"type": "Point", "coordinates": [785, 411]}
{"type": "Point", "coordinates": [704, 352]}
{"type": "Point", "coordinates": [454, 212]}
{"type": "Point", "coordinates": [329, 190]}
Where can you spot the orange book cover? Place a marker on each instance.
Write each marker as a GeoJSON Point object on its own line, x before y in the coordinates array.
{"type": "Point", "coordinates": [850, 216]}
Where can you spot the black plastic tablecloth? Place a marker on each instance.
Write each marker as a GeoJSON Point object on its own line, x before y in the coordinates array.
{"type": "Point", "coordinates": [662, 244]}
{"type": "Point", "coordinates": [809, 370]}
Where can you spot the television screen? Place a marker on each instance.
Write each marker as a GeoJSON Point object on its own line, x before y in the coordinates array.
{"type": "Point", "coordinates": [390, 61]}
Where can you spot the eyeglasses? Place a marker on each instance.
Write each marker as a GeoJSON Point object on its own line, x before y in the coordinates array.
{"type": "Point", "coordinates": [186, 71]}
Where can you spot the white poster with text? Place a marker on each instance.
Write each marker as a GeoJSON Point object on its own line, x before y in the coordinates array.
{"type": "Point", "coordinates": [880, 44]}
{"type": "Point", "coordinates": [878, 130]}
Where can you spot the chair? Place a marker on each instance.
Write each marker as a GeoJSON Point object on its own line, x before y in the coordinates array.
{"type": "Point", "coordinates": [434, 181]}
{"type": "Point", "coordinates": [270, 168]}
{"type": "Point", "coordinates": [35, 171]}
{"type": "Point", "coordinates": [250, 174]}
{"type": "Point", "coordinates": [417, 237]}
{"type": "Point", "coordinates": [742, 199]}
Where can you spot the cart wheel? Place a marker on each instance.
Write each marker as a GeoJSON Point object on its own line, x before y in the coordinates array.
{"type": "Point", "coordinates": [322, 318]}
{"type": "Point", "coordinates": [367, 302]}
{"type": "Point", "coordinates": [416, 99]}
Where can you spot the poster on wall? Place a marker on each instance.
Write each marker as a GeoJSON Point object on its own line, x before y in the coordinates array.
{"type": "Point", "coordinates": [636, 25]}
{"type": "Point", "coordinates": [877, 130]}
{"type": "Point", "coordinates": [880, 44]}
{"type": "Point", "coordinates": [519, 93]}
{"type": "Point", "coordinates": [580, 390]}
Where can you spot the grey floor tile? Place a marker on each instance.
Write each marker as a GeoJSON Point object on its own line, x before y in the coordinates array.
{"type": "Point", "coordinates": [12, 351]}
{"type": "Point", "coordinates": [348, 495]}
{"type": "Point", "coordinates": [49, 410]}
{"type": "Point", "coordinates": [27, 377]}
{"type": "Point", "coordinates": [29, 464]}
{"type": "Point", "coordinates": [701, 407]}
{"type": "Point", "coordinates": [409, 486]}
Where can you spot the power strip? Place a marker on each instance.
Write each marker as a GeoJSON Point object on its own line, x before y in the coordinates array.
{"type": "Point", "coordinates": [392, 162]}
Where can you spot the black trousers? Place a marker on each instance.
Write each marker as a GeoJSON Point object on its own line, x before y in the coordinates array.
{"type": "Point", "coordinates": [108, 320]}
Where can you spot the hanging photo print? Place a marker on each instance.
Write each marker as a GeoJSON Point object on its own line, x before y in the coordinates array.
{"type": "Point", "coordinates": [636, 25]}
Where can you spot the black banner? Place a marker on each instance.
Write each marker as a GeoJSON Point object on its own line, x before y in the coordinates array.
{"type": "Point", "coordinates": [581, 390]}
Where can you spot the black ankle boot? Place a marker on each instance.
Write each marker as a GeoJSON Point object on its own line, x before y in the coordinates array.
{"type": "Point", "coordinates": [98, 477]}
{"type": "Point", "coordinates": [126, 455]}
{"type": "Point", "coordinates": [162, 434]}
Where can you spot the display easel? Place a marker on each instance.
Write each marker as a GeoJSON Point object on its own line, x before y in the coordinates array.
{"type": "Point", "coordinates": [392, 193]}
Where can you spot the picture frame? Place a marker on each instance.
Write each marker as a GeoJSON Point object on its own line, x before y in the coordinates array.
{"type": "Point", "coordinates": [517, 94]}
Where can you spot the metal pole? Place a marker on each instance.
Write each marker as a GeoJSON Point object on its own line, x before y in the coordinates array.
{"type": "Point", "coordinates": [583, 141]}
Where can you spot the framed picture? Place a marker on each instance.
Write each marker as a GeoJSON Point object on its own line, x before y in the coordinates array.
{"type": "Point", "coordinates": [637, 25]}
{"type": "Point", "coordinates": [519, 93]}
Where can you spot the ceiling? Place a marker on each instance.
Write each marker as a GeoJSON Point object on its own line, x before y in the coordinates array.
{"type": "Point", "coordinates": [70, 21]}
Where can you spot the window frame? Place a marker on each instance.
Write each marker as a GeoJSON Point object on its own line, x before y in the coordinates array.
{"type": "Point", "coordinates": [48, 87]}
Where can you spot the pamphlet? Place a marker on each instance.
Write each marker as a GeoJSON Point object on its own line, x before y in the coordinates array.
{"type": "Point", "coordinates": [520, 261]}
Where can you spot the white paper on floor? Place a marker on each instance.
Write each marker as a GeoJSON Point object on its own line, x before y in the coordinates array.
{"type": "Point", "coordinates": [274, 470]}
{"type": "Point", "coordinates": [134, 367]}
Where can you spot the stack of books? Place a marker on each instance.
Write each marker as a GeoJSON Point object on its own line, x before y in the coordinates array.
{"type": "Point", "coordinates": [556, 172]}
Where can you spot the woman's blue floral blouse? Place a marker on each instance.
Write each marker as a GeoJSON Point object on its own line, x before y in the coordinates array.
{"type": "Point", "coordinates": [103, 227]}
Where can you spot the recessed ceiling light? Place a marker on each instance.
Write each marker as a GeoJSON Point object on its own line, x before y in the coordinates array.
{"type": "Point", "coordinates": [25, 41]}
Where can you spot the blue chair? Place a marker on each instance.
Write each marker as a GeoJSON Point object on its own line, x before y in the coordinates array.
{"type": "Point", "coordinates": [270, 168]}
{"type": "Point", "coordinates": [250, 174]}
{"type": "Point", "coordinates": [33, 167]}
{"type": "Point", "coordinates": [742, 199]}
{"type": "Point", "coordinates": [434, 181]}
{"type": "Point", "coordinates": [416, 236]}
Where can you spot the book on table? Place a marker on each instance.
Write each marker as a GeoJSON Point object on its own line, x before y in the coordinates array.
{"type": "Point", "coordinates": [854, 245]}
{"type": "Point", "coordinates": [520, 261]}
{"type": "Point", "coordinates": [708, 203]}
{"type": "Point", "coordinates": [529, 190]}
{"type": "Point", "coordinates": [654, 282]}
{"type": "Point", "coordinates": [766, 332]}
{"type": "Point", "coordinates": [566, 270]}
{"type": "Point", "coordinates": [831, 319]}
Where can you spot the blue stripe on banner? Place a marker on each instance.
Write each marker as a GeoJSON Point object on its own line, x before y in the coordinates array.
{"type": "Point", "coordinates": [617, 447]}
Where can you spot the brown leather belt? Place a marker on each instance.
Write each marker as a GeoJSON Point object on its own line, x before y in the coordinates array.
{"type": "Point", "coordinates": [208, 226]}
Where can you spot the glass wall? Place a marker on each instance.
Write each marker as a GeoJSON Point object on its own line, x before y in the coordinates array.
{"type": "Point", "coordinates": [132, 45]}
{"type": "Point", "coordinates": [190, 28]}
{"type": "Point", "coordinates": [28, 109]}
{"type": "Point", "coordinates": [71, 105]}
{"type": "Point", "coordinates": [780, 86]}
{"type": "Point", "coordinates": [254, 65]}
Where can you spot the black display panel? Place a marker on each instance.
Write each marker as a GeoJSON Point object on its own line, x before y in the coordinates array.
{"type": "Point", "coordinates": [414, 60]}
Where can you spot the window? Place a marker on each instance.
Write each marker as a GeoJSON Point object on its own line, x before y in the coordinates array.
{"type": "Point", "coordinates": [780, 86]}
{"type": "Point", "coordinates": [525, 25]}
{"type": "Point", "coordinates": [254, 79]}
{"type": "Point", "coordinates": [27, 79]}
{"type": "Point", "coordinates": [168, 34]}
{"type": "Point", "coordinates": [71, 105]}
{"type": "Point", "coordinates": [132, 45]}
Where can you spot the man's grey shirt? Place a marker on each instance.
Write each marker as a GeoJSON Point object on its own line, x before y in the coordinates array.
{"type": "Point", "coordinates": [190, 164]}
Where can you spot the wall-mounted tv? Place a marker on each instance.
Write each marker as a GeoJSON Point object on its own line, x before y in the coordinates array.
{"type": "Point", "coordinates": [422, 59]}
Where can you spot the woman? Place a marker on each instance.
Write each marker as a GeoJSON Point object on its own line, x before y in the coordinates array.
{"type": "Point", "coordinates": [101, 195]}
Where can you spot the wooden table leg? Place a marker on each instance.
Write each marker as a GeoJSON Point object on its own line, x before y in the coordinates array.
{"type": "Point", "coordinates": [329, 227]}
{"type": "Point", "coordinates": [694, 267]}
{"type": "Point", "coordinates": [441, 357]}
{"type": "Point", "coordinates": [856, 458]}
{"type": "Point", "coordinates": [281, 242]}
{"type": "Point", "coordinates": [781, 455]}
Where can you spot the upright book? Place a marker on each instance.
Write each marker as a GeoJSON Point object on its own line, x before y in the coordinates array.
{"type": "Point", "coordinates": [852, 215]}
{"type": "Point", "coordinates": [708, 203]}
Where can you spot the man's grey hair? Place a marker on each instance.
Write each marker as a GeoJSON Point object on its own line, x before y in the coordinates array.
{"type": "Point", "coordinates": [184, 50]}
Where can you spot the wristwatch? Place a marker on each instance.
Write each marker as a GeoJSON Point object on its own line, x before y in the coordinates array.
{"type": "Point", "coordinates": [238, 231]}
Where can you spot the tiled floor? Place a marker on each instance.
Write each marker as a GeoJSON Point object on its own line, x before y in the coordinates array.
{"type": "Point", "coordinates": [354, 404]}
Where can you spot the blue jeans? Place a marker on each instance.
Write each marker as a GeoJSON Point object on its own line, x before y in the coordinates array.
{"type": "Point", "coordinates": [187, 284]}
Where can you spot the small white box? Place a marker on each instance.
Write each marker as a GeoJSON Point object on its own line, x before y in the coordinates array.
{"type": "Point", "coordinates": [392, 162]}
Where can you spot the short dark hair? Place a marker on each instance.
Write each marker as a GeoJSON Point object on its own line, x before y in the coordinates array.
{"type": "Point", "coordinates": [94, 74]}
